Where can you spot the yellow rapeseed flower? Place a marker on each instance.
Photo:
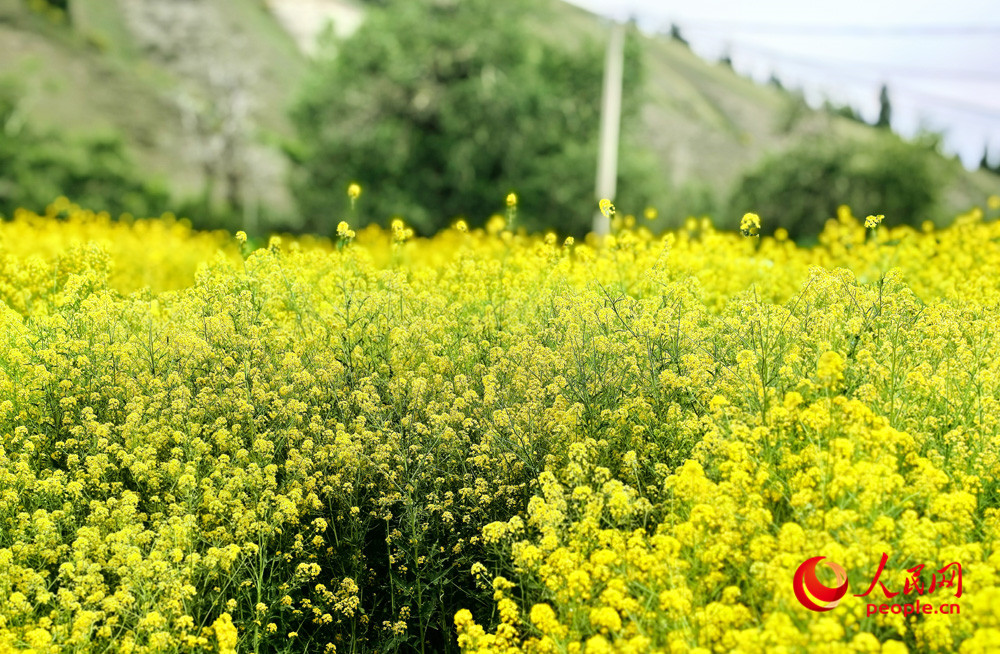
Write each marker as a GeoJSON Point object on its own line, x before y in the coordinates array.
{"type": "Point", "coordinates": [830, 368]}
{"type": "Point", "coordinates": [454, 394]}
{"type": "Point", "coordinates": [226, 634]}
{"type": "Point", "coordinates": [344, 230]}
{"type": "Point", "coordinates": [871, 222]}
{"type": "Point", "coordinates": [750, 224]}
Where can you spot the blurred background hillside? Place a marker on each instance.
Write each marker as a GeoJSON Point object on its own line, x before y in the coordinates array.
{"type": "Point", "coordinates": [257, 114]}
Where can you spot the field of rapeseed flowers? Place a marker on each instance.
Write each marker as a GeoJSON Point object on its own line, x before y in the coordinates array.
{"type": "Point", "coordinates": [491, 442]}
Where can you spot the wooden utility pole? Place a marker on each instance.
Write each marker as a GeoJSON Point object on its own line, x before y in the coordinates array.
{"type": "Point", "coordinates": [611, 112]}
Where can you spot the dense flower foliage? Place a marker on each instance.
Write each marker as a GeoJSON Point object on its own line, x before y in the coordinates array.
{"type": "Point", "coordinates": [493, 442]}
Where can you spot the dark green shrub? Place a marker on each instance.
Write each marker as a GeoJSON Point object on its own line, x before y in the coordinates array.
{"type": "Point", "coordinates": [800, 188]}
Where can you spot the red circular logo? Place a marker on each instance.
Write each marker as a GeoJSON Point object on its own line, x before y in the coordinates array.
{"type": "Point", "coordinates": [805, 579]}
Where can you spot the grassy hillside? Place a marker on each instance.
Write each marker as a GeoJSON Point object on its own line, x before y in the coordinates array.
{"type": "Point", "coordinates": [106, 72]}
{"type": "Point", "coordinates": [69, 84]}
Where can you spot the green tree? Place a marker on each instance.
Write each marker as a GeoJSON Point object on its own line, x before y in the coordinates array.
{"type": "Point", "coordinates": [677, 35]}
{"type": "Point", "coordinates": [984, 163]}
{"type": "Point", "coordinates": [439, 109]}
{"type": "Point", "coordinates": [884, 109]}
{"type": "Point", "coordinates": [844, 111]}
{"type": "Point", "coordinates": [800, 188]}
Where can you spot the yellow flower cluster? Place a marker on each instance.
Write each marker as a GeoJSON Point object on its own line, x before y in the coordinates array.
{"type": "Point", "coordinates": [130, 254]}
{"type": "Point", "coordinates": [344, 230]}
{"type": "Point", "coordinates": [750, 224]}
{"type": "Point", "coordinates": [486, 441]}
{"type": "Point", "coordinates": [871, 222]}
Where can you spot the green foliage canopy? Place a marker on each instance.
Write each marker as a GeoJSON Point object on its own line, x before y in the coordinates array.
{"type": "Point", "coordinates": [438, 109]}
{"type": "Point", "coordinates": [800, 188]}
